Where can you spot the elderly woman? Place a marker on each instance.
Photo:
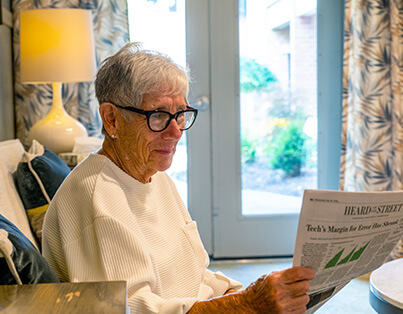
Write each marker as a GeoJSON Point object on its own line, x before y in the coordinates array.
{"type": "Point", "coordinates": [118, 216]}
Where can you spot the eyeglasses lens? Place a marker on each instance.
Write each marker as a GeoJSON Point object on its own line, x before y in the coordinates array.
{"type": "Point", "coordinates": [160, 120]}
{"type": "Point", "coordinates": [188, 118]}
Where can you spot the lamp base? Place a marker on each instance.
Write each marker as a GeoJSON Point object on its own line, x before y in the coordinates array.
{"type": "Point", "coordinates": [57, 131]}
{"type": "Point", "coordinates": [57, 134]}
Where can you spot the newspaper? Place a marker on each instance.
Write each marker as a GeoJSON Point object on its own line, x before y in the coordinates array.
{"type": "Point", "coordinates": [343, 235]}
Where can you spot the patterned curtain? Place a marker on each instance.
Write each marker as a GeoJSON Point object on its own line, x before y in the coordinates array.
{"type": "Point", "coordinates": [372, 151]}
{"type": "Point", "coordinates": [32, 102]}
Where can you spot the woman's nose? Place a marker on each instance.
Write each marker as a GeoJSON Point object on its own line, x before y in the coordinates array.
{"type": "Point", "coordinates": [173, 129]}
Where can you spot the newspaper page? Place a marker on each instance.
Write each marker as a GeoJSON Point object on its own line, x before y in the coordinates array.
{"type": "Point", "coordinates": [343, 235]}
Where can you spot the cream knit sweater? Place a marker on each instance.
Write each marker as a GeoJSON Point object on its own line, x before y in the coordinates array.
{"type": "Point", "coordinates": [103, 225]}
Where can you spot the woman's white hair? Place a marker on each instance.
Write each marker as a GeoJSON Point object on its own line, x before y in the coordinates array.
{"type": "Point", "coordinates": [131, 73]}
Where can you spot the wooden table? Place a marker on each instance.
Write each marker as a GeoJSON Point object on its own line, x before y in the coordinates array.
{"type": "Point", "coordinates": [386, 288]}
{"type": "Point", "coordinates": [83, 297]}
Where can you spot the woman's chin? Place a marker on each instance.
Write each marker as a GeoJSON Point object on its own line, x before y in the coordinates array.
{"type": "Point", "coordinates": [164, 165]}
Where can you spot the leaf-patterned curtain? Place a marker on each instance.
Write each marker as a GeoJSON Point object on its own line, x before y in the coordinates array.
{"type": "Point", "coordinates": [32, 102]}
{"type": "Point", "coordinates": [372, 126]}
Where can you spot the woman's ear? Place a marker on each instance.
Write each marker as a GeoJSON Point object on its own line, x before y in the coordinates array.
{"type": "Point", "coordinates": [108, 114]}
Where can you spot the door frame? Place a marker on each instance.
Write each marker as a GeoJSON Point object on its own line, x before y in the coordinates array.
{"type": "Point", "coordinates": [199, 136]}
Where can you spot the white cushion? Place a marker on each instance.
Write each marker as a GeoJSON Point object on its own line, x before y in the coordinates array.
{"type": "Point", "coordinates": [11, 205]}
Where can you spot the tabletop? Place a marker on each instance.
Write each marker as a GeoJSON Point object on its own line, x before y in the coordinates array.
{"type": "Point", "coordinates": [83, 297]}
{"type": "Point", "coordinates": [386, 282]}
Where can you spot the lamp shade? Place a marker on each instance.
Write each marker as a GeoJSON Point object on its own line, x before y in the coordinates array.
{"type": "Point", "coordinates": [57, 45]}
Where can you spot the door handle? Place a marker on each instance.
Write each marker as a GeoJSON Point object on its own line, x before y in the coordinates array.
{"type": "Point", "coordinates": [201, 103]}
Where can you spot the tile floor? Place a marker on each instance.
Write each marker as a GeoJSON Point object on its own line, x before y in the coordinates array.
{"type": "Point", "coordinates": [352, 299]}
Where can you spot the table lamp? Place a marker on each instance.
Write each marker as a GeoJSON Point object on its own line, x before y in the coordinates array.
{"type": "Point", "coordinates": [57, 46]}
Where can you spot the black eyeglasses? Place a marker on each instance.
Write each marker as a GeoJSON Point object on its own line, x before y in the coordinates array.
{"type": "Point", "coordinates": [158, 120]}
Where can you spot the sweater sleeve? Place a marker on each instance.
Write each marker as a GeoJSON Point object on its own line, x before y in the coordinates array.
{"type": "Point", "coordinates": [213, 284]}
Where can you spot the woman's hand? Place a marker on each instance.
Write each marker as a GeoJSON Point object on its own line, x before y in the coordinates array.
{"type": "Point", "coordinates": [280, 292]}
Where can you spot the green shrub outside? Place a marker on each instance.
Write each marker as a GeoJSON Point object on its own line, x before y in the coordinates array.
{"type": "Point", "coordinates": [286, 149]}
{"type": "Point", "coordinates": [248, 148]}
{"type": "Point", "coordinates": [254, 76]}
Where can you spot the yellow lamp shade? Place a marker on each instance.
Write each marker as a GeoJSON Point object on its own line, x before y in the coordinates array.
{"type": "Point", "coordinates": [57, 45]}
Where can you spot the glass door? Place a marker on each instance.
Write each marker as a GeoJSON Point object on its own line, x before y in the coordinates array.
{"type": "Point", "coordinates": [265, 56]}
{"type": "Point", "coordinates": [275, 120]}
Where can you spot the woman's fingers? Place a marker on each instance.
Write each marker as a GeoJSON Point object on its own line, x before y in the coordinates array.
{"type": "Point", "coordinates": [298, 288]}
{"type": "Point", "coordinates": [297, 273]}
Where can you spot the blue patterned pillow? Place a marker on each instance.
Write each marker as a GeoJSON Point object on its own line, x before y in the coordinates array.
{"type": "Point", "coordinates": [38, 176]}
{"type": "Point", "coordinates": [30, 265]}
